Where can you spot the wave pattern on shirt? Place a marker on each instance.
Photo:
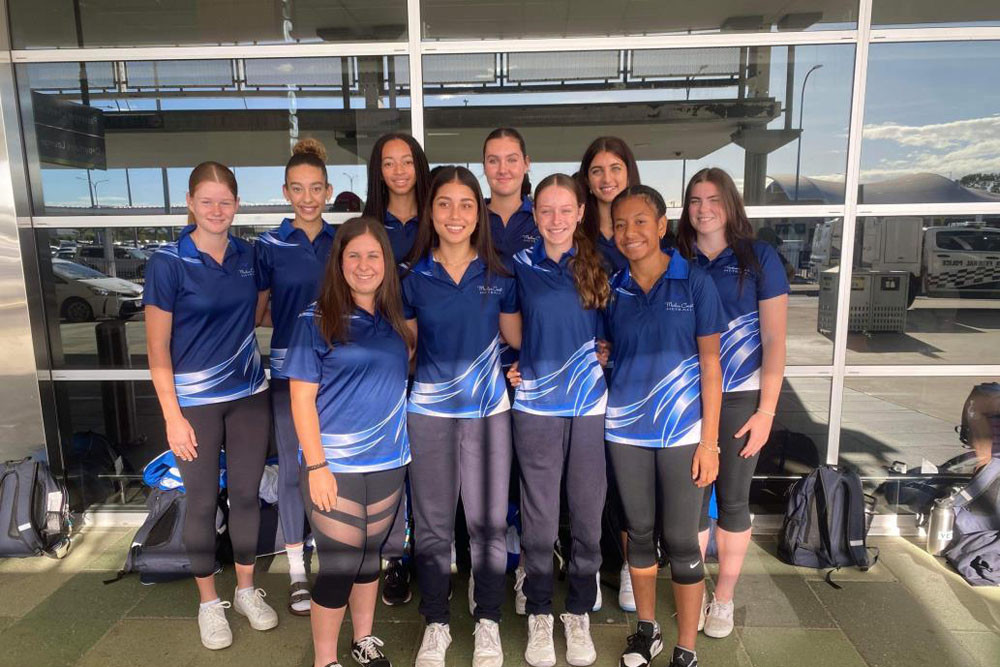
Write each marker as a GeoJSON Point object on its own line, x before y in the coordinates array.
{"type": "Point", "coordinates": [213, 385]}
{"type": "Point", "coordinates": [579, 381]}
{"type": "Point", "coordinates": [343, 449]}
{"type": "Point", "coordinates": [666, 416]}
{"type": "Point", "coordinates": [739, 356]}
{"type": "Point", "coordinates": [480, 385]}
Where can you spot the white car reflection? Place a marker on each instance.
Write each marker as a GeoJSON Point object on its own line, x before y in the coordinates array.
{"type": "Point", "coordinates": [84, 294]}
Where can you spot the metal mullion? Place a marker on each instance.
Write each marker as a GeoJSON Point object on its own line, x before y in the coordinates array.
{"type": "Point", "coordinates": [851, 181]}
{"type": "Point", "coordinates": [162, 220]}
{"type": "Point", "coordinates": [769, 212]}
{"type": "Point", "coordinates": [210, 52]}
{"type": "Point", "coordinates": [640, 42]}
{"type": "Point", "coordinates": [917, 370]}
{"type": "Point", "coordinates": [413, 32]}
{"type": "Point", "coordinates": [930, 209]}
{"type": "Point", "coordinates": [957, 34]}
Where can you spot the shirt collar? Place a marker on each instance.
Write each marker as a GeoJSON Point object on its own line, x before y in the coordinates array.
{"type": "Point", "coordinates": [539, 255]}
{"type": "Point", "coordinates": [678, 269]}
{"type": "Point", "coordinates": [390, 219]}
{"type": "Point", "coordinates": [287, 228]}
{"type": "Point", "coordinates": [187, 248]}
{"type": "Point", "coordinates": [525, 207]}
{"type": "Point", "coordinates": [704, 260]}
{"type": "Point", "coordinates": [430, 266]}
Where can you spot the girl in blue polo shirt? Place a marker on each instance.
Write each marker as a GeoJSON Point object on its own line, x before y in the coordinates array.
{"type": "Point", "coordinates": [558, 416]}
{"type": "Point", "coordinates": [200, 298]}
{"type": "Point", "coordinates": [347, 363]}
{"type": "Point", "coordinates": [458, 299]}
{"type": "Point", "coordinates": [290, 264]}
{"type": "Point", "coordinates": [662, 425]}
{"type": "Point", "coordinates": [398, 178]}
{"type": "Point", "coordinates": [506, 164]}
{"type": "Point", "coordinates": [714, 233]}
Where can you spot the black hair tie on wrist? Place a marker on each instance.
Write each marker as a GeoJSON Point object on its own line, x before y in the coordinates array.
{"type": "Point", "coordinates": [316, 466]}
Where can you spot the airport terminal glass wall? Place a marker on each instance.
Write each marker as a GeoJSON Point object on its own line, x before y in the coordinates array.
{"type": "Point", "coordinates": [762, 89]}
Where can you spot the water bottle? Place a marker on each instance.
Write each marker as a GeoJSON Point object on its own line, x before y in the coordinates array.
{"type": "Point", "coordinates": [940, 526]}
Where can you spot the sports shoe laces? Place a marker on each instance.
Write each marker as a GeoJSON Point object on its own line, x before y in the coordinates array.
{"type": "Point", "coordinates": [722, 610]}
{"type": "Point", "coordinates": [395, 574]}
{"type": "Point", "coordinates": [541, 631]}
{"type": "Point", "coordinates": [368, 648]}
{"type": "Point", "coordinates": [255, 599]}
{"type": "Point", "coordinates": [434, 638]}
{"type": "Point", "coordinates": [638, 643]}
{"type": "Point", "coordinates": [576, 626]}
{"type": "Point", "coordinates": [215, 617]}
{"type": "Point", "coordinates": [487, 634]}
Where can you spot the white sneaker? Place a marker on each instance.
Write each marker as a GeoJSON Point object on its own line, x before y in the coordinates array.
{"type": "Point", "coordinates": [719, 619]}
{"type": "Point", "coordinates": [626, 599]}
{"type": "Point", "coordinates": [213, 626]}
{"type": "Point", "coordinates": [472, 595]}
{"type": "Point", "coordinates": [437, 639]}
{"type": "Point", "coordinates": [580, 650]}
{"type": "Point", "coordinates": [251, 604]}
{"type": "Point", "coordinates": [540, 651]}
{"type": "Point", "coordinates": [599, 600]}
{"type": "Point", "coordinates": [520, 599]}
{"type": "Point", "coordinates": [488, 652]}
{"type": "Point", "coordinates": [703, 610]}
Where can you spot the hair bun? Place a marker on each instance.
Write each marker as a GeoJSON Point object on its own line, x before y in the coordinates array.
{"type": "Point", "coordinates": [310, 147]}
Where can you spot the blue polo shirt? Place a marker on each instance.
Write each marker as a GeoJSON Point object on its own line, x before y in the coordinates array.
{"type": "Point", "coordinates": [655, 390]}
{"type": "Point", "coordinates": [212, 344]}
{"type": "Point", "coordinates": [458, 339]}
{"type": "Point", "coordinates": [741, 353]}
{"type": "Point", "coordinates": [401, 234]}
{"type": "Point", "coordinates": [291, 266]}
{"type": "Point", "coordinates": [361, 399]}
{"type": "Point", "coordinates": [520, 232]}
{"type": "Point", "coordinates": [560, 374]}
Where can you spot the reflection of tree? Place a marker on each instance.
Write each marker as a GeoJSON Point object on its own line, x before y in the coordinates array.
{"type": "Point", "coordinates": [982, 181]}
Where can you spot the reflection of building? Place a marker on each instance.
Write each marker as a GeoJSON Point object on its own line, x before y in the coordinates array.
{"type": "Point", "coordinates": [899, 190]}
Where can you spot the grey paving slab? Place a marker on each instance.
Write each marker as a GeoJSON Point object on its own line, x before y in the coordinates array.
{"type": "Point", "coordinates": [889, 627]}
{"type": "Point", "coordinates": [87, 545]}
{"type": "Point", "coordinates": [769, 600]}
{"type": "Point", "coordinates": [792, 646]}
{"type": "Point", "coordinates": [983, 646]}
{"type": "Point", "coordinates": [6, 621]}
{"type": "Point", "coordinates": [21, 593]}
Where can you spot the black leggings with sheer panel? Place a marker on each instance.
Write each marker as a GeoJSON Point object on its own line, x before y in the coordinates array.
{"type": "Point", "coordinates": [349, 537]}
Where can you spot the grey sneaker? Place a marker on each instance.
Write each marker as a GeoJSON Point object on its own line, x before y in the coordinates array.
{"type": "Point", "coordinates": [437, 639]}
{"type": "Point", "coordinates": [719, 619]}
{"type": "Point", "coordinates": [540, 651]}
{"type": "Point", "coordinates": [580, 650]}
{"type": "Point", "coordinates": [213, 626]}
{"type": "Point", "coordinates": [488, 652]}
{"type": "Point", "coordinates": [251, 604]}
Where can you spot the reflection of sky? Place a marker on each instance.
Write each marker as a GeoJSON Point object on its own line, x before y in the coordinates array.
{"type": "Point", "coordinates": [930, 107]}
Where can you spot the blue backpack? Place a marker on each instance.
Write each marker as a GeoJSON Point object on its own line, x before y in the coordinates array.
{"type": "Point", "coordinates": [975, 548]}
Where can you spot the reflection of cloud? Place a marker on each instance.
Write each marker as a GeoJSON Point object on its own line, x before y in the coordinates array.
{"type": "Point", "coordinates": [957, 148]}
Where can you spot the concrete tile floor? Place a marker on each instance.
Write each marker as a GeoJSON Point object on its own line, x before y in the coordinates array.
{"type": "Point", "coordinates": [909, 610]}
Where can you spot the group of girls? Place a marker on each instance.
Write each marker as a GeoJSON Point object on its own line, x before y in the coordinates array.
{"type": "Point", "coordinates": [441, 336]}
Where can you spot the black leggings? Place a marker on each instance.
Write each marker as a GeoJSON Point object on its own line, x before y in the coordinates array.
{"type": "Point", "coordinates": [732, 486]}
{"type": "Point", "coordinates": [241, 427]}
{"type": "Point", "coordinates": [645, 475]}
{"type": "Point", "coordinates": [348, 538]}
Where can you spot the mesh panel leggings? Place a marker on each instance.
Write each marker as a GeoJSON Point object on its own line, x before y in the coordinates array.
{"type": "Point", "coordinates": [732, 487]}
{"type": "Point", "coordinates": [349, 536]}
{"type": "Point", "coordinates": [242, 427]}
{"type": "Point", "coordinates": [645, 476]}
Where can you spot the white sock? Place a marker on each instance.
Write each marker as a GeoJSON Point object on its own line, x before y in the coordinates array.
{"type": "Point", "coordinates": [210, 603]}
{"type": "Point", "coordinates": [296, 563]}
{"type": "Point", "coordinates": [248, 590]}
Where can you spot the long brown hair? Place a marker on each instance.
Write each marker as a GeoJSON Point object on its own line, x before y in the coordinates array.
{"type": "Point", "coordinates": [336, 304]}
{"type": "Point", "coordinates": [588, 268]}
{"type": "Point", "coordinates": [377, 201]}
{"type": "Point", "coordinates": [427, 238]}
{"type": "Point", "coordinates": [511, 133]}
{"type": "Point", "coordinates": [615, 146]}
{"type": "Point", "coordinates": [211, 172]}
{"type": "Point", "coordinates": [739, 233]}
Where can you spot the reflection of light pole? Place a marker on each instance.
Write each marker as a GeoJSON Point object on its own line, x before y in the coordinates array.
{"type": "Point", "coordinates": [97, 201]}
{"type": "Point", "coordinates": [798, 151]}
{"type": "Point", "coordinates": [349, 178]}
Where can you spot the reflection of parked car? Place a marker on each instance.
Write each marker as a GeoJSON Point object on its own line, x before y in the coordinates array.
{"type": "Point", "coordinates": [84, 294]}
{"type": "Point", "coordinates": [130, 263]}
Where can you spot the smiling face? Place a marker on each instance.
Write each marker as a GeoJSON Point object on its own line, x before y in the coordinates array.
{"type": "Point", "coordinates": [363, 265]}
{"type": "Point", "coordinates": [307, 191]}
{"type": "Point", "coordinates": [557, 214]}
{"type": "Point", "coordinates": [637, 229]}
{"type": "Point", "coordinates": [398, 170]}
{"type": "Point", "coordinates": [454, 212]}
{"type": "Point", "coordinates": [213, 206]}
{"type": "Point", "coordinates": [706, 209]}
{"type": "Point", "coordinates": [505, 165]}
{"type": "Point", "coordinates": [607, 175]}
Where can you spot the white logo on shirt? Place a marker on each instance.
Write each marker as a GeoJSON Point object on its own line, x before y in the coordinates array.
{"type": "Point", "coordinates": [490, 289]}
{"type": "Point", "coordinates": [735, 270]}
{"type": "Point", "coordinates": [679, 306]}
{"type": "Point", "coordinates": [246, 273]}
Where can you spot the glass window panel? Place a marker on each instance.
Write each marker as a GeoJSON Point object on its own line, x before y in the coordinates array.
{"type": "Point", "coordinates": [104, 23]}
{"type": "Point", "coordinates": [734, 110]}
{"type": "Point", "coordinates": [925, 13]}
{"type": "Point", "coordinates": [493, 19]}
{"type": "Point", "coordinates": [913, 438]}
{"type": "Point", "coordinates": [926, 290]}
{"type": "Point", "coordinates": [926, 138]}
{"type": "Point", "coordinates": [124, 136]}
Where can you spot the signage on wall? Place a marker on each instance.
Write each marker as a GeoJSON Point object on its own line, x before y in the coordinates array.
{"type": "Point", "coordinates": [69, 134]}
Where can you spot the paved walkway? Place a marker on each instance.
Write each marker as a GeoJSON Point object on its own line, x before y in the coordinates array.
{"type": "Point", "coordinates": [909, 610]}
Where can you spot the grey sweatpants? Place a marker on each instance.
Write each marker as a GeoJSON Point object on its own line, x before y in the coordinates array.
{"type": "Point", "coordinates": [467, 458]}
{"type": "Point", "coordinates": [549, 450]}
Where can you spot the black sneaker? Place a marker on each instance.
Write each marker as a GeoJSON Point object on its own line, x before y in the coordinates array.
{"type": "Point", "coordinates": [642, 646]}
{"type": "Point", "coordinates": [367, 652]}
{"type": "Point", "coordinates": [683, 658]}
{"type": "Point", "coordinates": [396, 583]}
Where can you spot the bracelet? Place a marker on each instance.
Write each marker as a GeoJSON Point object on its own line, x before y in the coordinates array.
{"type": "Point", "coordinates": [708, 446]}
{"type": "Point", "coordinates": [765, 412]}
{"type": "Point", "coordinates": [316, 466]}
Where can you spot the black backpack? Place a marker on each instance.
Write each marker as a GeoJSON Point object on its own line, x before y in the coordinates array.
{"type": "Point", "coordinates": [34, 511]}
{"type": "Point", "coordinates": [826, 522]}
{"type": "Point", "coordinates": [157, 552]}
